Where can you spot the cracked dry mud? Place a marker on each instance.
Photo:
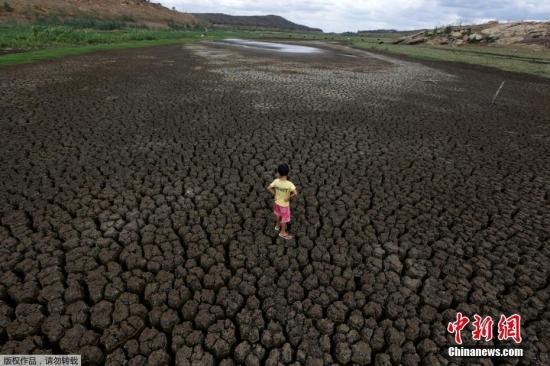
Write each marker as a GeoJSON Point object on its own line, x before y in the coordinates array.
{"type": "Point", "coordinates": [136, 229]}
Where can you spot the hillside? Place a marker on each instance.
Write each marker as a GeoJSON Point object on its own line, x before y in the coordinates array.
{"type": "Point", "coordinates": [254, 21]}
{"type": "Point", "coordinates": [530, 34]}
{"type": "Point", "coordinates": [132, 11]}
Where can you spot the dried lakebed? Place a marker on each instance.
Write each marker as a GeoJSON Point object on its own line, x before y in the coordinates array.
{"type": "Point", "coordinates": [136, 229]}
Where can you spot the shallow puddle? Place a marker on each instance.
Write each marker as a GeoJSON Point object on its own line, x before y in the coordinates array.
{"type": "Point", "coordinates": [273, 46]}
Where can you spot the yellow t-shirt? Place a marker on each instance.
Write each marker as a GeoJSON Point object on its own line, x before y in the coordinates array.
{"type": "Point", "coordinates": [282, 191]}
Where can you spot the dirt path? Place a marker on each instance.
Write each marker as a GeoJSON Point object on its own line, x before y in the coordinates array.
{"type": "Point", "coordinates": [135, 225]}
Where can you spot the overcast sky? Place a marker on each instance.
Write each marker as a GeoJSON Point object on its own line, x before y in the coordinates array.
{"type": "Point", "coordinates": [353, 15]}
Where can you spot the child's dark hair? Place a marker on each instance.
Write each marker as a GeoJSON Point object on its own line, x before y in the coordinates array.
{"type": "Point", "coordinates": [283, 170]}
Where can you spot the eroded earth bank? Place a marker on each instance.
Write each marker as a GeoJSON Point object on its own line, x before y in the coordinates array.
{"type": "Point", "coordinates": [136, 229]}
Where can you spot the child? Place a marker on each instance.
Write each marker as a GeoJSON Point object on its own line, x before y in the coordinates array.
{"type": "Point", "coordinates": [282, 190]}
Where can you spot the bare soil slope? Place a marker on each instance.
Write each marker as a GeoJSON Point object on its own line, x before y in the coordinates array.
{"type": "Point", "coordinates": [139, 11]}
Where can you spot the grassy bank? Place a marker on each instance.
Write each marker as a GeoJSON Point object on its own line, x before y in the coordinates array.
{"type": "Point", "coordinates": [27, 43]}
{"type": "Point", "coordinates": [51, 53]}
{"type": "Point", "coordinates": [30, 43]}
{"type": "Point", "coordinates": [39, 36]}
{"type": "Point", "coordinates": [514, 59]}
{"type": "Point", "coordinates": [82, 32]}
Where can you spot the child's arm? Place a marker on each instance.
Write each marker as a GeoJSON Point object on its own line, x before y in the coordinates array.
{"type": "Point", "coordinates": [293, 194]}
{"type": "Point", "coordinates": [270, 189]}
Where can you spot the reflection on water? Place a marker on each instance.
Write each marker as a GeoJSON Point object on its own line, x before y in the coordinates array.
{"type": "Point", "coordinates": [272, 46]}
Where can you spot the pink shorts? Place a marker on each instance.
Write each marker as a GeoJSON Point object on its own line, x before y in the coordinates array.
{"type": "Point", "coordinates": [282, 213]}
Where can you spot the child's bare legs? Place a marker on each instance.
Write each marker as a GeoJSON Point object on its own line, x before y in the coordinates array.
{"type": "Point", "coordinates": [283, 228]}
{"type": "Point", "coordinates": [282, 222]}
{"type": "Point", "coordinates": [284, 231]}
{"type": "Point", "coordinates": [278, 224]}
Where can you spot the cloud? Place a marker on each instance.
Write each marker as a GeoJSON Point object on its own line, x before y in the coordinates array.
{"type": "Point", "coordinates": [352, 15]}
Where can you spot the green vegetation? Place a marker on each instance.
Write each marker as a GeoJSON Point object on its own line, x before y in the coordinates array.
{"type": "Point", "coordinates": [88, 23]}
{"type": "Point", "coordinates": [50, 38]}
{"type": "Point", "coordinates": [43, 36]}
{"type": "Point", "coordinates": [505, 58]}
{"type": "Point", "coordinates": [50, 53]}
{"type": "Point", "coordinates": [43, 42]}
{"type": "Point", "coordinates": [310, 36]}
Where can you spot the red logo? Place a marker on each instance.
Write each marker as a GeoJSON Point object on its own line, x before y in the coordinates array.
{"type": "Point", "coordinates": [457, 327]}
{"type": "Point", "coordinates": [508, 327]}
{"type": "Point", "coordinates": [483, 328]}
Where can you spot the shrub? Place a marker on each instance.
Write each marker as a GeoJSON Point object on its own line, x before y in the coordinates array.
{"type": "Point", "coordinates": [45, 21]}
{"type": "Point", "coordinates": [175, 25]}
{"type": "Point", "coordinates": [95, 24]}
{"type": "Point", "coordinates": [126, 18]}
{"type": "Point", "coordinates": [7, 7]}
